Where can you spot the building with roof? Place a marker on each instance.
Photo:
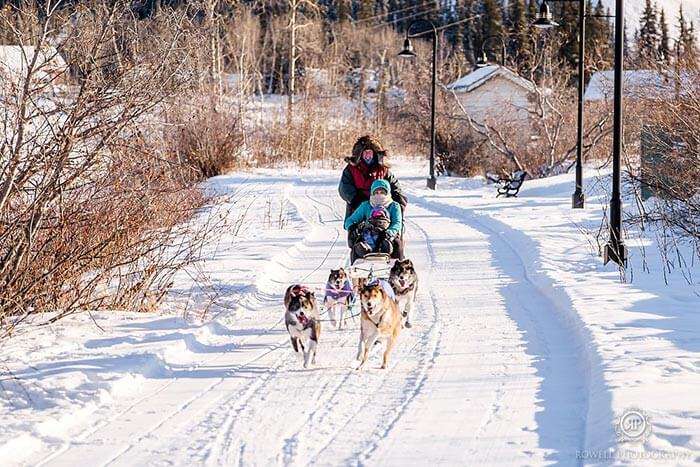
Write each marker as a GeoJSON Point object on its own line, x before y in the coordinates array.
{"type": "Point", "coordinates": [638, 85]}
{"type": "Point", "coordinates": [495, 94]}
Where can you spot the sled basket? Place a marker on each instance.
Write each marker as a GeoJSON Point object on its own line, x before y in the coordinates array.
{"type": "Point", "coordinates": [372, 266]}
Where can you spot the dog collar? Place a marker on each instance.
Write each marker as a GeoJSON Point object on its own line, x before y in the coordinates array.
{"type": "Point", "coordinates": [404, 289]}
{"type": "Point", "coordinates": [376, 325]}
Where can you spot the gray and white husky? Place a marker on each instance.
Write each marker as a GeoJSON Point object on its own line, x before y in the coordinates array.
{"type": "Point", "coordinates": [303, 321]}
{"type": "Point", "coordinates": [404, 280]}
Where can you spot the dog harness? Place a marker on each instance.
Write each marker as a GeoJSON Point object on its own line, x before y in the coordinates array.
{"type": "Point", "coordinates": [335, 294]}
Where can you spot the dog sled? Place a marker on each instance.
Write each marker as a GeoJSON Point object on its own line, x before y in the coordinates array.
{"type": "Point", "coordinates": [372, 266]}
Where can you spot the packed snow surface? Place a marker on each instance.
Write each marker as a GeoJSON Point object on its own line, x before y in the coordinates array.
{"type": "Point", "coordinates": [525, 348]}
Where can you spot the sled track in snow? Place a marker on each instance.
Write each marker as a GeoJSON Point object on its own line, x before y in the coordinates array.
{"type": "Point", "coordinates": [552, 334]}
{"type": "Point", "coordinates": [409, 384]}
{"type": "Point", "coordinates": [428, 357]}
{"type": "Point", "coordinates": [265, 409]}
{"type": "Point", "coordinates": [227, 443]}
{"type": "Point", "coordinates": [247, 391]}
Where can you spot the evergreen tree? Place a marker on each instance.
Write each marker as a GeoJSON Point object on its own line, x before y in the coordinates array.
{"type": "Point", "coordinates": [492, 25]}
{"type": "Point", "coordinates": [343, 10]}
{"type": "Point", "coordinates": [519, 32]}
{"type": "Point", "coordinates": [365, 9]}
{"type": "Point", "coordinates": [686, 44]}
{"type": "Point", "coordinates": [469, 29]}
{"type": "Point", "coordinates": [664, 40]}
{"type": "Point", "coordinates": [648, 38]}
{"type": "Point", "coordinates": [568, 32]}
{"type": "Point", "coordinates": [392, 6]}
{"type": "Point", "coordinates": [532, 10]}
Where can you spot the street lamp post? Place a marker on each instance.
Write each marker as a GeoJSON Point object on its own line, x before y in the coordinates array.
{"type": "Point", "coordinates": [483, 58]}
{"type": "Point", "coordinates": [408, 52]}
{"type": "Point", "coordinates": [544, 21]}
{"type": "Point", "coordinates": [615, 250]}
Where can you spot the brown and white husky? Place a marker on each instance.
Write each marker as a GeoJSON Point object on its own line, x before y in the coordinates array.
{"type": "Point", "coordinates": [380, 320]}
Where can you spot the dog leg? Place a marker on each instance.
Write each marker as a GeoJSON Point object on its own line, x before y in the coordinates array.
{"type": "Point", "coordinates": [307, 353]}
{"type": "Point", "coordinates": [313, 345]}
{"type": "Point", "coordinates": [365, 354]}
{"type": "Point", "coordinates": [360, 347]}
{"type": "Point", "coordinates": [330, 306]}
{"type": "Point", "coordinates": [368, 344]}
{"type": "Point", "coordinates": [341, 315]}
{"type": "Point", "coordinates": [407, 313]}
{"type": "Point", "coordinates": [385, 359]}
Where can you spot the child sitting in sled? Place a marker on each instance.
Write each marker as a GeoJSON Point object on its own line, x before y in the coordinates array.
{"type": "Point", "coordinates": [377, 224]}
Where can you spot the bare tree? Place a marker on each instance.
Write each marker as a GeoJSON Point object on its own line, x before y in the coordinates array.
{"type": "Point", "coordinates": [86, 194]}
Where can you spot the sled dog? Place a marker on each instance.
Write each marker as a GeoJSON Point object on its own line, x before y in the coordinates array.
{"type": "Point", "coordinates": [303, 321]}
{"type": "Point", "coordinates": [380, 320]}
{"type": "Point", "coordinates": [404, 280]}
{"type": "Point", "coordinates": [339, 295]}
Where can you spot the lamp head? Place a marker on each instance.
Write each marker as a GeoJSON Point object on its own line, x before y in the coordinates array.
{"type": "Point", "coordinates": [544, 17]}
{"type": "Point", "coordinates": [483, 60]}
{"type": "Point", "coordinates": [407, 51]}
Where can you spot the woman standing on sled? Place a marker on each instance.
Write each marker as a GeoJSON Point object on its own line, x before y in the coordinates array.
{"type": "Point", "coordinates": [378, 224]}
{"type": "Point", "coordinates": [366, 165]}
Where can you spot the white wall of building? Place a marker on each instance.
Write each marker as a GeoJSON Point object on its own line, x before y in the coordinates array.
{"type": "Point", "coordinates": [498, 100]}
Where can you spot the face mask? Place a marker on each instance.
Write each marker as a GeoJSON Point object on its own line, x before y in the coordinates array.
{"type": "Point", "coordinates": [379, 199]}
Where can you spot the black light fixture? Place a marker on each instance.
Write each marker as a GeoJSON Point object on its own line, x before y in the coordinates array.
{"type": "Point", "coordinates": [483, 60]}
{"type": "Point", "coordinates": [544, 21]}
{"type": "Point", "coordinates": [407, 51]}
{"type": "Point", "coordinates": [615, 250]}
{"type": "Point", "coordinates": [544, 17]}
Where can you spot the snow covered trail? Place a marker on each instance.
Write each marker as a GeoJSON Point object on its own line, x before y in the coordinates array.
{"type": "Point", "coordinates": [499, 367]}
{"type": "Point", "coordinates": [507, 385]}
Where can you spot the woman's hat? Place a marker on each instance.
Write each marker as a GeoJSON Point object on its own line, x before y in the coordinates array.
{"type": "Point", "coordinates": [367, 142]}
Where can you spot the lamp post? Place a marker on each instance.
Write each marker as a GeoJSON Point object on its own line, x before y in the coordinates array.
{"type": "Point", "coordinates": [544, 21]}
{"type": "Point", "coordinates": [408, 52]}
{"type": "Point", "coordinates": [615, 250]}
{"type": "Point", "coordinates": [483, 58]}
